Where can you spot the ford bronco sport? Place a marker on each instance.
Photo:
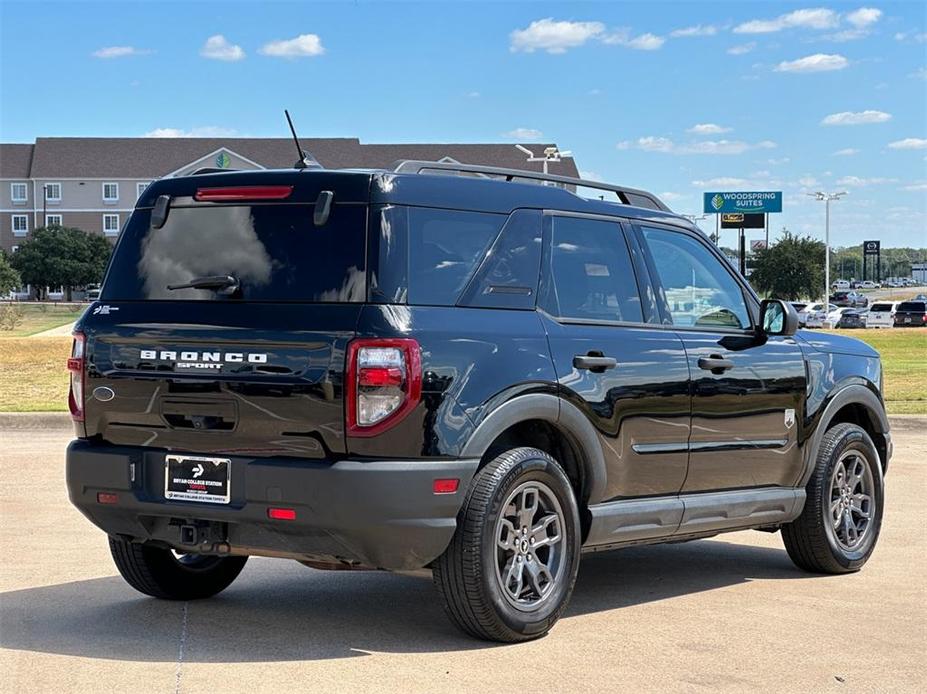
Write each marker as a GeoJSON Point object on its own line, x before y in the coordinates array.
{"type": "Point", "coordinates": [454, 368]}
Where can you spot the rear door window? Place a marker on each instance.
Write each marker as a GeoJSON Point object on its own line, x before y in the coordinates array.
{"type": "Point", "coordinates": [274, 251]}
{"type": "Point", "coordinates": [590, 276]}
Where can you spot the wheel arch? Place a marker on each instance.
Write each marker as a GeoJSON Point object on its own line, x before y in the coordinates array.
{"type": "Point", "coordinates": [544, 421]}
{"type": "Point", "coordinates": [852, 404]}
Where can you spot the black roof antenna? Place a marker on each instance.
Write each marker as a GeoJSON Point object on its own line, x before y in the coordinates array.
{"type": "Point", "coordinates": [306, 160]}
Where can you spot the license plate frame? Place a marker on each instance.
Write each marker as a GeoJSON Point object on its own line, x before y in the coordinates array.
{"type": "Point", "coordinates": [200, 479]}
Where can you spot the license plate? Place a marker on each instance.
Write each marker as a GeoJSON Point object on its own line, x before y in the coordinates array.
{"type": "Point", "coordinates": [907, 319]}
{"type": "Point", "coordinates": [194, 478]}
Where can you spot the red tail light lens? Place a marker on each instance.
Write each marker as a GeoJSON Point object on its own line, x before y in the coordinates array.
{"type": "Point", "coordinates": [383, 383]}
{"type": "Point", "coordinates": [232, 193]}
{"type": "Point", "coordinates": [76, 369]}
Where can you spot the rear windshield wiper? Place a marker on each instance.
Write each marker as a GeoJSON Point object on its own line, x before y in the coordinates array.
{"type": "Point", "coordinates": [227, 284]}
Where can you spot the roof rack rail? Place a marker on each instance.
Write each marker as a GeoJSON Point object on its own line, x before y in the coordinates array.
{"type": "Point", "coordinates": [628, 196]}
{"type": "Point", "coordinates": [211, 169]}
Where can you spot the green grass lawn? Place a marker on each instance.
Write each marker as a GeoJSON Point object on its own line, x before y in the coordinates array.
{"type": "Point", "coordinates": [36, 318]}
{"type": "Point", "coordinates": [904, 361]}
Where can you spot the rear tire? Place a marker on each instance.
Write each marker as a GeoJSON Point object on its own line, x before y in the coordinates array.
{"type": "Point", "coordinates": [510, 568]}
{"type": "Point", "coordinates": [161, 574]}
{"type": "Point", "coordinates": [839, 526]}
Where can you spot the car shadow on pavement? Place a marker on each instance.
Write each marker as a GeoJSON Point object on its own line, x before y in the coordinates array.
{"type": "Point", "coordinates": [283, 611]}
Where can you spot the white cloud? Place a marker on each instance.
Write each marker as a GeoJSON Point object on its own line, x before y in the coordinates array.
{"type": "Point", "coordinates": [908, 143]}
{"type": "Point", "coordinates": [848, 152]}
{"type": "Point", "coordinates": [524, 134]}
{"type": "Point", "coordinates": [670, 196]}
{"type": "Point", "coordinates": [864, 17]}
{"type": "Point", "coordinates": [807, 181]}
{"type": "Point", "coordinates": [916, 186]}
{"type": "Point", "coordinates": [708, 129]}
{"type": "Point", "coordinates": [777, 162]}
{"type": "Point", "coordinates": [721, 182]}
{"type": "Point", "coordinates": [303, 46]}
{"type": "Point", "coordinates": [643, 42]}
{"type": "Point", "coordinates": [818, 18]}
{"type": "Point", "coordinates": [920, 73]}
{"type": "Point", "coordinates": [904, 36]}
{"type": "Point", "coordinates": [665, 145]}
{"type": "Point", "coordinates": [819, 62]}
{"type": "Point", "coordinates": [697, 30]}
{"type": "Point", "coordinates": [857, 182]}
{"type": "Point", "coordinates": [202, 131]}
{"type": "Point", "coordinates": [119, 52]}
{"type": "Point", "coordinates": [220, 48]}
{"type": "Point", "coordinates": [473, 95]}
{"type": "Point", "coordinates": [742, 49]}
{"type": "Point", "coordinates": [856, 118]}
{"type": "Point", "coordinates": [590, 176]}
{"type": "Point", "coordinates": [553, 36]}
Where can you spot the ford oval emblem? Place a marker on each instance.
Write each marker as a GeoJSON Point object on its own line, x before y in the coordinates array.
{"type": "Point", "coordinates": [104, 394]}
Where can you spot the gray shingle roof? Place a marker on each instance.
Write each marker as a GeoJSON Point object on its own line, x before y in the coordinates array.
{"type": "Point", "coordinates": [143, 158]}
{"type": "Point", "coordinates": [15, 160]}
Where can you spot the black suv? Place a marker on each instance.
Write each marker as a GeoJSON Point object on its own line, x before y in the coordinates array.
{"type": "Point", "coordinates": [466, 369]}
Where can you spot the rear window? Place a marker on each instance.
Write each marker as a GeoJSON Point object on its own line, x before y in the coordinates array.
{"type": "Point", "coordinates": [274, 251]}
{"type": "Point", "coordinates": [881, 307]}
{"type": "Point", "coordinates": [913, 306]}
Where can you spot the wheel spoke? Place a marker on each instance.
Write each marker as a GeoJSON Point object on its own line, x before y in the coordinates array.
{"type": "Point", "coordinates": [546, 532]}
{"type": "Point", "coordinates": [539, 575]}
{"type": "Point", "coordinates": [506, 539]}
{"type": "Point", "coordinates": [859, 504]}
{"type": "Point", "coordinates": [528, 506]}
{"type": "Point", "coordinates": [514, 577]}
{"type": "Point", "coordinates": [849, 529]}
{"type": "Point", "coordinates": [855, 474]}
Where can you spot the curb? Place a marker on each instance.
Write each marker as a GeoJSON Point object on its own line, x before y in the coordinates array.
{"type": "Point", "coordinates": [35, 420]}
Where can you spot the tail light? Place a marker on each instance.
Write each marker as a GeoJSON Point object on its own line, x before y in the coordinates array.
{"type": "Point", "coordinates": [383, 383]}
{"type": "Point", "coordinates": [76, 370]}
{"type": "Point", "coordinates": [233, 193]}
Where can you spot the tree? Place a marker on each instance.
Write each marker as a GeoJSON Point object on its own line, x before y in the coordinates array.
{"type": "Point", "coordinates": [791, 269]}
{"type": "Point", "coordinates": [9, 278]}
{"type": "Point", "coordinates": [62, 257]}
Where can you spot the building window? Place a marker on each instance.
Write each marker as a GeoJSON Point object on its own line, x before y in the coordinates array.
{"type": "Point", "coordinates": [18, 192]}
{"type": "Point", "coordinates": [53, 220]}
{"type": "Point", "coordinates": [110, 192]}
{"type": "Point", "coordinates": [53, 192]}
{"type": "Point", "coordinates": [20, 225]}
{"type": "Point", "coordinates": [111, 224]}
{"type": "Point", "coordinates": [140, 188]}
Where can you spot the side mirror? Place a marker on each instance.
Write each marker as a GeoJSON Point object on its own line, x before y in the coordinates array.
{"type": "Point", "coordinates": [778, 317]}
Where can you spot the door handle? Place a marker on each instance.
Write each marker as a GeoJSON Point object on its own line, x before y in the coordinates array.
{"type": "Point", "coordinates": [596, 364]}
{"type": "Point", "coordinates": [715, 363]}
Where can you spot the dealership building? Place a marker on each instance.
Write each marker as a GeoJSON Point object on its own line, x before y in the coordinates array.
{"type": "Point", "coordinates": [92, 183]}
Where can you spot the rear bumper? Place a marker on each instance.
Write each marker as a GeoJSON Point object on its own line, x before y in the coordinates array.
{"type": "Point", "coordinates": [381, 514]}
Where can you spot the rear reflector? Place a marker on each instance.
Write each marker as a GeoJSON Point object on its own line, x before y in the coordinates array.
{"type": "Point", "coordinates": [107, 498]}
{"type": "Point", "coordinates": [231, 193]}
{"type": "Point", "coordinates": [446, 486]}
{"type": "Point", "coordinates": [281, 513]}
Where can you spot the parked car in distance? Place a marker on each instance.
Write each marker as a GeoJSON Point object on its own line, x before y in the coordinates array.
{"type": "Point", "coordinates": [93, 292]}
{"type": "Point", "coordinates": [813, 316]}
{"type": "Point", "coordinates": [855, 284]}
{"type": "Point", "coordinates": [881, 315]}
{"type": "Point", "coordinates": [850, 299]}
{"type": "Point", "coordinates": [852, 318]}
{"type": "Point", "coordinates": [869, 284]}
{"type": "Point", "coordinates": [833, 317]}
{"type": "Point", "coordinates": [840, 284]}
{"type": "Point", "coordinates": [799, 306]}
{"type": "Point", "coordinates": [911, 314]}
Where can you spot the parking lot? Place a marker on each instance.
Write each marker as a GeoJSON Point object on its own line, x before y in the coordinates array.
{"type": "Point", "coordinates": [729, 613]}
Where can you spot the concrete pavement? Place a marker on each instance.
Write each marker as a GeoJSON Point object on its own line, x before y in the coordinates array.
{"type": "Point", "coordinates": [728, 614]}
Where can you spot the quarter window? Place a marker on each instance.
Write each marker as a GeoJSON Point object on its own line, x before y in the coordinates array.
{"type": "Point", "coordinates": [18, 192]}
{"type": "Point", "coordinates": [111, 224]}
{"type": "Point", "coordinates": [20, 225]}
{"type": "Point", "coordinates": [590, 276]}
{"type": "Point", "coordinates": [110, 192]}
{"type": "Point", "coordinates": [699, 289]}
{"type": "Point", "coordinates": [53, 192]}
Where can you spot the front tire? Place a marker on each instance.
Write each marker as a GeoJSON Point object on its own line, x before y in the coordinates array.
{"type": "Point", "coordinates": [160, 573]}
{"type": "Point", "coordinates": [839, 526]}
{"type": "Point", "coordinates": [510, 568]}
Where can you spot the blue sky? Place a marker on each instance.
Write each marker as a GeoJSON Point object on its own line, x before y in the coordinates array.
{"type": "Point", "coordinates": [674, 97]}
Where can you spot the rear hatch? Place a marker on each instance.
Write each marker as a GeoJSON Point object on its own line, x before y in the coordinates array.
{"type": "Point", "coordinates": [249, 365]}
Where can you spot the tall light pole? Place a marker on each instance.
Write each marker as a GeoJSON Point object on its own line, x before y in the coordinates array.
{"type": "Point", "coordinates": [826, 199]}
